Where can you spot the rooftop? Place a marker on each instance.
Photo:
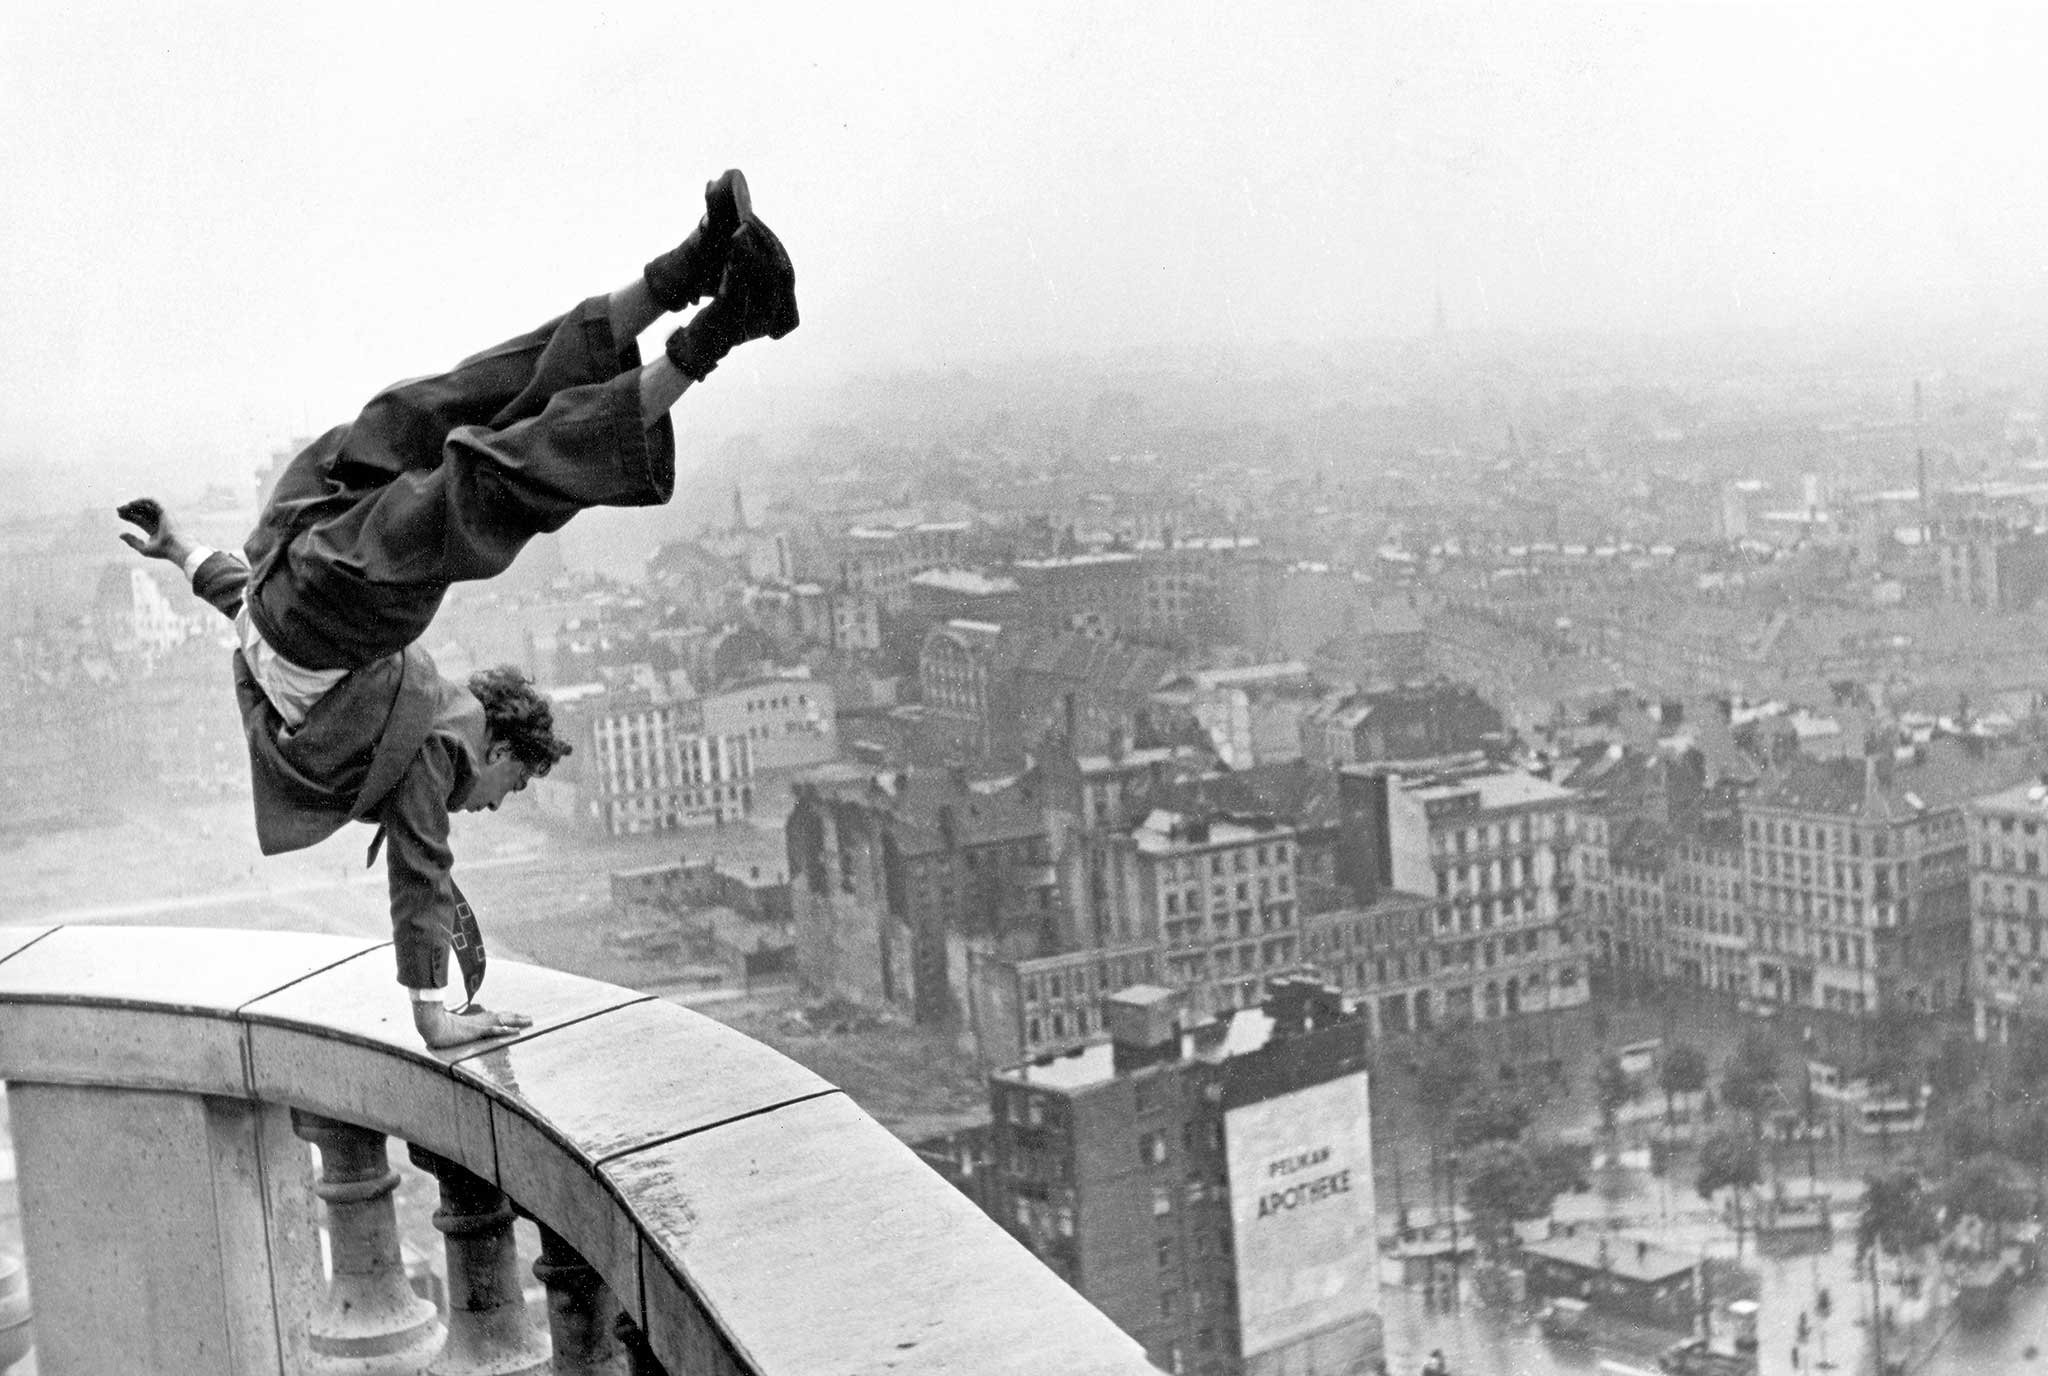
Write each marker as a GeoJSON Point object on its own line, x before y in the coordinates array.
{"type": "Point", "coordinates": [964, 581]}
{"type": "Point", "coordinates": [1503, 789]}
{"type": "Point", "coordinates": [1248, 1030]}
{"type": "Point", "coordinates": [1636, 1259]}
{"type": "Point", "coordinates": [1173, 833]}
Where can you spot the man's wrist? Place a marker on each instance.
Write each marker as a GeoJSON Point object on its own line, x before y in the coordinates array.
{"type": "Point", "coordinates": [438, 997]}
{"type": "Point", "coordinates": [189, 557]}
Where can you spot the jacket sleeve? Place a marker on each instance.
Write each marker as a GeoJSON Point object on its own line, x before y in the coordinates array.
{"type": "Point", "coordinates": [417, 861]}
{"type": "Point", "coordinates": [219, 580]}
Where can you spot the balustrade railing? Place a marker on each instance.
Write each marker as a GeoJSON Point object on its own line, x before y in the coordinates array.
{"type": "Point", "coordinates": [704, 1205]}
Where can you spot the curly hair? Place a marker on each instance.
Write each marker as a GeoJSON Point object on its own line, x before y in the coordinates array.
{"type": "Point", "coordinates": [516, 713]}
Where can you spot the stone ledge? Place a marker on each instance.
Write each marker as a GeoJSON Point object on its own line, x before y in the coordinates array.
{"type": "Point", "coordinates": [747, 1214]}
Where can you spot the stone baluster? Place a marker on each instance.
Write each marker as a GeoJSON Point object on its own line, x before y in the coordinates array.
{"type": "Point", "coordinates": [371, 1324]}
{"type": "Point", "coordinates": [580, 1311]}
{"type": "Point", "coordinates": [639, 1354]}
{"type": "Point", "coordinates": [488, 1334]}
{"type": "Point", "coordinates": [17, 1338]}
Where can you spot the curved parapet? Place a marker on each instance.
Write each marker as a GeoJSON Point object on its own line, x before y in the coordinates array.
{"type": "Point", "coordinates": [746, 1215]}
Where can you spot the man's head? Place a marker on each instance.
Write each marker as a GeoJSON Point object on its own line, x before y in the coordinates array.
{"type": "Point", "coordinates": [519, 741]}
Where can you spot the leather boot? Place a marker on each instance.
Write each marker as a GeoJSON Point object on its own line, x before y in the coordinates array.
{"type": "Point", "coordinates": [692, 269]}
{"type": "Point", "coordinates": [756, 299]}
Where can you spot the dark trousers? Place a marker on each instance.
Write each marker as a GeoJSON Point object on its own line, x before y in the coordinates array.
{"type": "Point", "coordinates": [445, 478]}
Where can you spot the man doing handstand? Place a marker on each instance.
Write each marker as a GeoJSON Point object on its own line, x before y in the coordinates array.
{"type": "Point", "coordinates": [438, 480]}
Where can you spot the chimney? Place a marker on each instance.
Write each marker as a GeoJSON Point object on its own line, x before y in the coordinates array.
{"type": "Point", "coordinates": [1144, 1026]}
{"type": "Point", "coordinates": [1365, 857]}
{"type": "Point", "coordinates": [1299, 1004]}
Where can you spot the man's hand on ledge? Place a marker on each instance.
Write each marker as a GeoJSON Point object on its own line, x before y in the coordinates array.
{"type": "Point", "coordinates": [441, 1029]}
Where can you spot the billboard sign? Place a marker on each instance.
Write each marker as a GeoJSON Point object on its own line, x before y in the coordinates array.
{"type": "Point", "coordinates": [1301, 1205]}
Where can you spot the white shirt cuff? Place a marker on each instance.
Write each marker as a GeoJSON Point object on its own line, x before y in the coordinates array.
{"type": "Point", "coordinates": [439, 995]}
{"type": "Point", "coordinates": [199, 555]}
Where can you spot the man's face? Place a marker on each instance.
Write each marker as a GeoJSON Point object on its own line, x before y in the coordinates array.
{"type": "Point", "coordinates": [500, 776]}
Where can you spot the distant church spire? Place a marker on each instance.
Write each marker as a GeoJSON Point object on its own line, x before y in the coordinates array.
{"type": "Point", "coordinates": [739, 509]}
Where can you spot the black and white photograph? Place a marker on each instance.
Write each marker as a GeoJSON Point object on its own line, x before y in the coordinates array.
{"type": "Point", "coordinates": [1071, 689]}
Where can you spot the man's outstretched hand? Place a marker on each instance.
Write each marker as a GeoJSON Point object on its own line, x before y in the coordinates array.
{"type": "Point", "coordinates": [160, 538]}
{"type": "Point", "coordinates": [441, 1029]}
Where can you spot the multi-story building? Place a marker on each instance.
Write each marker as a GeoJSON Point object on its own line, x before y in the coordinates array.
{"type": "Point", "coordinates": [881, 560]}
{"type": "Point", "coordinates": [1210, 1189]}
{"type": "Point", "coordinates": [1216, 891]}
{"type": "Point", "coordinates": [1707, 925]}
{"type": "Point", "coordinates": [1634, 936]}
{"type": "Point", "coordinates": [643, 761]}
{"type": "Point", "coordinates": [998, 689]}
{"type": "Point", "coordinates": [1046, 1005]}
{"type": "Point", "coordinates": [941, 595]}
{"type": "Point", "coordinates": [961, 672]}
{"type": "Point", "coordinates": [788, 722]}
{"type": "Point", "coordinates": [1385, 954]}
{"type": "Point", "coordinates": [1422, 722]}
{"type": "Point", "coordinates": [1099, 594]}
{"type": "Point", "coordinates": [1492, 854]}
{"type": "Point", "coordinates": [139, 609]}
{"type": "Point", "coordinates": [1183, 598]}
{"type": "Point", "coordinates": [908, 882]}
{"type": "Point", "coordinates": [2008, 973]}
{"type": "Point", "coordinates": [1992, 563]}
{"type": "Point", "coordinates": [1252, 714]}
{"type": "Point", "coordinates": [1858, 875]}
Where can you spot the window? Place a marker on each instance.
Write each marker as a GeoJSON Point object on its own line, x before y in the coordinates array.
{"type": "Point", "coordinates": [1162, 1200]}
{"type": "Point", "coordinates": [1152, 1148]}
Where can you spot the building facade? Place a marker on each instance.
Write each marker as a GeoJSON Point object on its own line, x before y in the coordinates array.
{"type": "Point", "coordinates": [2008, 969]}
{"type": "Point", "coordinates": [644, 762]}
{"type": "Point", "coordinates": [1210, 1189]}
{"type": "Point", "coordinates": [1491, 855]}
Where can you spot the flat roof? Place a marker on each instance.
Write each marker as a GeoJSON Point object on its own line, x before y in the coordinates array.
{"type": "Point", "coordinates": [2029, 799]}
{"type": "Point", "coordinates": [1155, 834]}
{"type": "Point", "coordinates": [1632, 1258]}
{"type": "Point", "coordinates": [1508, 788]}
{"type": "Point", "coordinates": [1094, 1064]}
{"type": "Point", "coordinates": [964, 581]}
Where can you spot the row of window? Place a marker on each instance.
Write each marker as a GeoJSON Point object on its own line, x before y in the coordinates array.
{"type": "Point", "coordinates": [1219, 894]}
{"type": "Point", "coordinates": [1514, 871]}
{"type": "Point", "coordinates": [1514, 831]}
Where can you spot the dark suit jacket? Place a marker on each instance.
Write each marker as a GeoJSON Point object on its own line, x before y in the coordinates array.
{"type": "Point", "coordinates": [392, 743]}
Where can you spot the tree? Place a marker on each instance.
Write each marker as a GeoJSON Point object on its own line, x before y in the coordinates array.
{"type": "Point", "coordinates": [1445, 1069]}
{"type": "Point", "coordinates": [1489, 1115]}
{"type": "Point", "coordinates": [2030, 1054]}
{"type": "Point", "coordinates": [1684, 1071]}
{"type": "Point", "coordinates": [1612, 1088]}
{"type": "Point", "coordinates": [1958, 1065]}
{"type": "Point", "coordinates": [1447, 1066]}
{"type": "Point", "coordinates": [1966, 1132]}
{"type": "Point", "coordinates": [1987, 1189]}
{"type": "Point", "coordinates": [2026, 1141]}
{"type": "Point", "coordinates": [1729, 1160]}
{"type": "Point", "coordinates": [1891, 1058]}
{"type": "Point", "coordinates": [1506, 1182]}
{"type": "Point", "coordinates": [1748, 1078]}
{"type": "Point", "coordinates": [1898, 1216]}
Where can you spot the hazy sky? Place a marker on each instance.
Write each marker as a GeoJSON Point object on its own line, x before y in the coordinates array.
{"type": "Point", "coordinates": [224, 224]}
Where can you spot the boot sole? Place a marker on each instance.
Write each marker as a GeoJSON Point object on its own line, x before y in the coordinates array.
{"type": "Point", "coordinates": [734, 183]}
{"type": "Point", "coordinates": [784, 320]}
